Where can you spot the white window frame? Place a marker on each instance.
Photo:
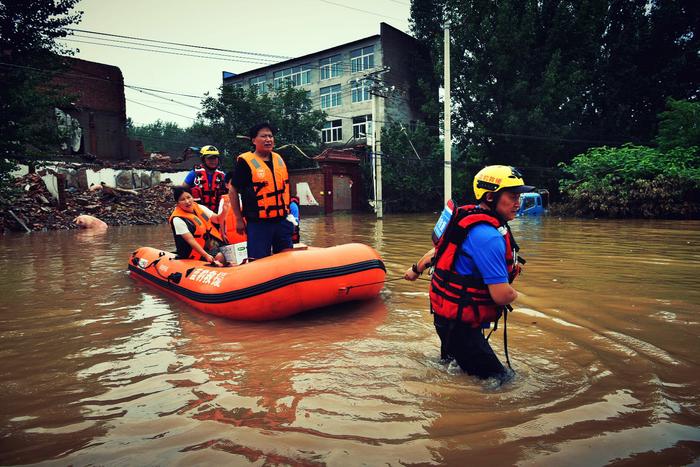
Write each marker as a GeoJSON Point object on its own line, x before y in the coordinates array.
{"type": "Point", "coordinates": [331, 67]}
{"type": "Point", "coordinates": [259, 83]}
{"type": "Point", "coordinates": [332, 131]}
{"type": "Point", "coordinates": [363, 126]}
{"type": "Point", "coordinates": [297, 76]}
{"type": "Point", "coordinates": [360, 90]}
{"type": "Point", "coordinates": [331, 96]}
{"type": "Point", "coordinates": [362, 59]}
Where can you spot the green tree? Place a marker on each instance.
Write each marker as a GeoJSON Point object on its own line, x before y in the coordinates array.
{"type": "Point", "coordinates": [536, 82]}
{"type": "Point", "coordinates": [409, 177]}
{"type": "Point", "coordinates": [235, 110]}
{"type": "Point", "coordinates": [167, 137]}
{"type": "Point", "coordinates": [679, 126]}
{"type": "Point", "coordinates": [29, 57]}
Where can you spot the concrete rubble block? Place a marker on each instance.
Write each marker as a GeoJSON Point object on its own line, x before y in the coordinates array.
{"type": "Point", "coordinates": [155, 178]}
{"type": "Point", "coordinates": [124, 179]}
{"type": "Point", "coordinates": [136, 180]}
{"type": "Point", "coordinates": [81, 179]}
{"type": "Point", "coordinates": [71, 176]}
{"type": "Point", "coordinates": [146, 180]}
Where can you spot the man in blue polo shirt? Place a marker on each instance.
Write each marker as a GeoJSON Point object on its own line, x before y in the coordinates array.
{"type": "Point", "coordinates": [475, 262]}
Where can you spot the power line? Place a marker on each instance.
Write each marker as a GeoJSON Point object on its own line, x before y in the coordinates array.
{"type": "Point", "coordinates": [181, 44]}
{"type": "Point", "coordinates": [362, 11]}
{"type": "Point", "coordinates": [161, 110]}
{"type": "Point", "coordinates": [167, 53]}
{"type": "Point", "coordinates": [85, 75]}
{"type": "Point", "coordinates": [165, 92]}
{"type": "Point", "coordinates": [159, 47]}
{"type": "Point", "coordinates": [164, 98]}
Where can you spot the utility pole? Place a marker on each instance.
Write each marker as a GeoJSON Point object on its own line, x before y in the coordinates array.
{"type": "Point", "coordinates": [447, 116]}
{"type": "Point", "coordinates": [377, 151]}
{"type": "Point", "coordinates": [377, 90]}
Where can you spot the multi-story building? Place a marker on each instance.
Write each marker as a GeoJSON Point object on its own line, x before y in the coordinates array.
{"type": "Point", "coordinates": [341, 81]}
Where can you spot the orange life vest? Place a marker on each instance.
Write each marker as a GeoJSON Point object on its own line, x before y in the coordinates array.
{"type": "Point", "coordinates": [229, 232]}
{"type": "Point", "coordinates": [461, 297]}
{"type": "Point", "coordinates": [270, 187]}
{"type": "Point", "coordinates": [199, 226]}
{"type": "Point", "coordinates": [205, 193]}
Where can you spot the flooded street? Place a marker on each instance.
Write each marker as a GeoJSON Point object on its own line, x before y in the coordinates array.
{"type": "Point", "coordinates": [96, 368]}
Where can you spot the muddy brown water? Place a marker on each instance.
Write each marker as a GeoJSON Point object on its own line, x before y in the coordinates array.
{"type": "Point", "coordinates": [96, 368]}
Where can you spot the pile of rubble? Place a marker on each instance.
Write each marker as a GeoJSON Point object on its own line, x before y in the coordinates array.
{"type": "Point", "coordinates": [35, 209]}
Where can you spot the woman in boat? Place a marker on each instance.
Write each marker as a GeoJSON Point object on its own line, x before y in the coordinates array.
{"type": "Point", "coordinates": [195, 235]}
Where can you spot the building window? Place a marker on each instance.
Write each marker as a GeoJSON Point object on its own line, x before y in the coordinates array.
{"type": "Point", "coordinates": [362, 59]}
{"type": "Point", "coordinates": [361, 126]}
{"type": "Point", "coordinates": [331, 67]}
{"type": "Point", "coordinates": [330, 96]}
{"type": "Point", "coordinates": [259, 84]}
{"type": "Point", "coordinates": [360, 90]}
{"type": "Point", "coordinates": [332, 131]}
{"type": "Point", "coordinates": [296, 76]}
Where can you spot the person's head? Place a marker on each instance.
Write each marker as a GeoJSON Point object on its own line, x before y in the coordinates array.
{"type": "Point", "coordinates": [210, 156]}
{"type": "Point", "coordinates": [228, 178]}
{"type": "Point", "coordinates": [294, 199]}
{"type": "Point", "coordinates": [183, 197]}
{"type": "Point", "coordinates": [498, 187]}
{"type": "Point", "coordinates": [262, 136]}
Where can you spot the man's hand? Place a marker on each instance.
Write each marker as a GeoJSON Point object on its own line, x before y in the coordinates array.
{"type": "Point", "coordinates": [410, 274]}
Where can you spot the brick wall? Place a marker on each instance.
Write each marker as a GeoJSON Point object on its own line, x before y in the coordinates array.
{"type": "Point", "coordinates": [316, 180]}
{"type": "Point", "coordinates": [97, 92]}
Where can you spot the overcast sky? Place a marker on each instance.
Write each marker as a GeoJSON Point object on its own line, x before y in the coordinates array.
{"type": "Point", "coordinates": [273, 27]}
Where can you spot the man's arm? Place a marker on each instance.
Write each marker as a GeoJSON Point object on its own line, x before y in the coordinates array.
{"type": "Point", "coordinates": [417, 269]}
{"type": "Point", "coordinates": [502, 294]}
{"type": "Point", "coordinates": [487, 248]}
{"type": "Point", "coordinates": [236, 207]}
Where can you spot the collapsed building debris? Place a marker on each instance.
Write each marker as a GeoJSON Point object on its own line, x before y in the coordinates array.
{"type": "Point", "coordinates": [34, 209]}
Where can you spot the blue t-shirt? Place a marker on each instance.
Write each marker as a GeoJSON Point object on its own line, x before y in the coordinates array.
{"type": "Point", "coordinates": [483, 255]}
{"type": "Point", "coordinates": [294, 210]}
{"type": "Point", "coordinates": [189, 179]}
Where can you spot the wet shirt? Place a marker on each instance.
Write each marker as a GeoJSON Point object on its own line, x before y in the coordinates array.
{"type": "Point", "coordinates": [482, 254]}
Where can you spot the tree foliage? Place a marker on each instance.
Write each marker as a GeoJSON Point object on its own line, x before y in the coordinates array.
{"type": "Point", "coordinates": [28, 59]}
{"type": "Point", "coordinates": [409, 184]}
{"type": "Point", "coordinates": [168, 137]}
{"type": "Point", "coordinates": [290, 110]}
{"type": "Point", "coordinates": [633, 181]}
{"type": "Point", "coordinates": [679, 125]}
{"type": "Point", "coordinates": [537, 82]}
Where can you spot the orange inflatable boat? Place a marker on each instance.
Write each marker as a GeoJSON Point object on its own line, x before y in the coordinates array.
{"type": "Point", "coordinates": [270, 288]}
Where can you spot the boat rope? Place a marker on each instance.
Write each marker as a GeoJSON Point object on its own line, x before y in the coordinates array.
{"type": "Point", "coordinates": [347, 289]}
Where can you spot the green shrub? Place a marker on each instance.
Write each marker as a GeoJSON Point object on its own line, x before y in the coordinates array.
{"type": "Point", "coordinates": [632, 181]}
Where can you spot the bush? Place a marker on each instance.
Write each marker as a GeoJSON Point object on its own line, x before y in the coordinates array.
{"type": "Point", "coordinates": [632, 181]}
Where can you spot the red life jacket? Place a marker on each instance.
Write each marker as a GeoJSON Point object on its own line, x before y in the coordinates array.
{"type": "Point", "coordinates": [467, 298]}
{"type": "Point", "coordinates": [205, 193]}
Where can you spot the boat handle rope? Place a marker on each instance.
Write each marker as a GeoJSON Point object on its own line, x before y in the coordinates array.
{"type": "Point", "coordinates": [347, 288]}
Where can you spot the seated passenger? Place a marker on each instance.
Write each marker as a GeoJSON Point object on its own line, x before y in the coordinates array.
{"type": "Point", "coordinates": [195, 235]}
